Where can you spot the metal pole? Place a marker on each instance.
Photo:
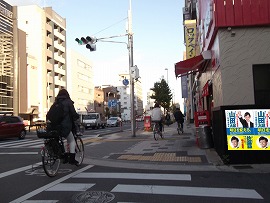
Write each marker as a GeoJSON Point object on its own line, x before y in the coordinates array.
{"type": "Point", "coordinates": [130, 49]}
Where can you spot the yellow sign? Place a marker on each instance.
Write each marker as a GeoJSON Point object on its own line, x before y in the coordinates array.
{"type": "Point", "coordinates": [190, 38]}
{"type": "Point", "coordinates": [248, 142]}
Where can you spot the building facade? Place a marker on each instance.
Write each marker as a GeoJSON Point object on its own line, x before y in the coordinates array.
{"type": "Point", "coordinates": [46, 56]}
{"type": "Point", "coordinates": [80, 81]}
{"type": "Point", "coordinates": [232, 65]}
{"type": "Point", "coordinates": [125, 97]}
{"type": "Point", "coordinates": [7, 70]}
{"type": "Point", "coordinates": [99, 100]}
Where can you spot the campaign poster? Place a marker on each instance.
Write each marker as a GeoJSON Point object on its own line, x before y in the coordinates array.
{"type": "Point", "coordinates": [248, 129]}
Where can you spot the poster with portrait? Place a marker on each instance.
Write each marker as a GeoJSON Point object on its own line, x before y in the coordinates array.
{"type": "Point", "coordinates": [248, 129]}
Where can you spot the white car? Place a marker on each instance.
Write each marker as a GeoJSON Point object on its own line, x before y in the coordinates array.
{"type": "Point", "coordinates": [114, 121]}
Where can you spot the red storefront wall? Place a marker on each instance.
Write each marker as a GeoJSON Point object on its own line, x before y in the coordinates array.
{"type": "Point", "coordinates": [233, 13]}
{"type": "Point", "coordinates": [229, 13]}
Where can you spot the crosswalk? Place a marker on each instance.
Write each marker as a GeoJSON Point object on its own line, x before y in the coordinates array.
{"type": "Point", "coordinates": [119, 186]}
{"type": "Point", "coordinates": [26, 143]}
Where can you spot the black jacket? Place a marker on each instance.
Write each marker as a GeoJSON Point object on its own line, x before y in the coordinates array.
{"type": "Point", "coordinates": [179, 116]}
{"type": "Point", "coordinates": [245, 124]}
{"type": "Point", "coordinates": [70, 115]}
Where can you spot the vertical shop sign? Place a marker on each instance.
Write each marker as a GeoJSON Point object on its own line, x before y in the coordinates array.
{"type": "Point", "coordinates": [190, 38]}
{"type": "Point", "coordinates": [184, 86]}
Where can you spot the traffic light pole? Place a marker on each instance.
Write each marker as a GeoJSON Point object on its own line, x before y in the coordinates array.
{"type": "Point", "coordinates": [92, 40]}
{"type": "Point", "coordinates": [130, 49]}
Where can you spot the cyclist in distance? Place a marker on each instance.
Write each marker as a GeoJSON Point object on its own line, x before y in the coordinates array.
{"type": "Point", "coordinates": [179, 117]}
{"type": "Point", "coordinates": [67, 126]}
{"type": "Point", "coordinates": [157, 116]}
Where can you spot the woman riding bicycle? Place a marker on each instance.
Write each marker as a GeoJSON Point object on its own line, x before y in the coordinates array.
{"type": "Point", "coordinates": [67, 124]}
{"type": "Point", "coordinates": [157, 116]}
{"type": "Point", "coordinates": [179, 118]}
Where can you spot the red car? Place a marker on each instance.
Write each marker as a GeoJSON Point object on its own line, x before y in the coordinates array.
{"type": "Point", "coordinates": [12, 126]}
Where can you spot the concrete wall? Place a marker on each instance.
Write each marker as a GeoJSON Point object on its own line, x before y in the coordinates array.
{"type": "Point", "coordinates": [238, 53]}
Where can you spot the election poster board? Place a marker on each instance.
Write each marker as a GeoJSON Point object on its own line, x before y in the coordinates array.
{"type": "Point", "coordinates": [248, 129]}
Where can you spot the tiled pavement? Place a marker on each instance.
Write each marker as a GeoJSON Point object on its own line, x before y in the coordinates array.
{"type": "Point", "coordinates": [174, 152]}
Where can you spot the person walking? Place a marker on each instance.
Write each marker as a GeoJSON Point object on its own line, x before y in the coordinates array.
{"type": "Point", "coordinates": [168, 118]}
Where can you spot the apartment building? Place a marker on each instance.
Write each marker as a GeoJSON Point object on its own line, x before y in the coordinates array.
{"type": "Point", "coordinates": [6, 58]}
{"type": "Point", "coordinates": [80, 81]}
{"type": "Point", "coordinates": [46, 56]}
{"type": "Point", "coordinates": [124, 92]}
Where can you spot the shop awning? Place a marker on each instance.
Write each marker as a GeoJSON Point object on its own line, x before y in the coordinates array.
{"type": "Point", "coordinates": [196, 64]}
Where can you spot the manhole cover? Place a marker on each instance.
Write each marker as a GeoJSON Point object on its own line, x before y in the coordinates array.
{"type": "Point", "coordinates": [93, 197]}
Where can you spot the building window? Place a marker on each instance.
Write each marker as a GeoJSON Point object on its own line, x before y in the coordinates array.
{"type": "Point", "coordinates": [83, 65]}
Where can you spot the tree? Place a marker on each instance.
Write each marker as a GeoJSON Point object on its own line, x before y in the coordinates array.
{"type": "Point", "coordinates": [162, 94]}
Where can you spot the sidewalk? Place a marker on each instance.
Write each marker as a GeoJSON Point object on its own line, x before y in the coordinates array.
{"type": "Point", "coordinates": [174, 152]}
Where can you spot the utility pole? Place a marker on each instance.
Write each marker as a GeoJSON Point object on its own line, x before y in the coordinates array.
{"type": "Point", "coordinates": [90, 44]}
{"type": "Point", "coordinates": [130, 49]}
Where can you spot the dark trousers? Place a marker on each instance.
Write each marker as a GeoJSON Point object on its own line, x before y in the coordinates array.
{"type": "Point", "coordinates": [180, 124]}
{"type": "Point", "coordinates": [160, 125]}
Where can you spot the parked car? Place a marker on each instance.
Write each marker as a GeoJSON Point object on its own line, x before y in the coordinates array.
{"type": "Point", "coordinates": [114, 121]}
{"type": "Point", "coordinates": [93, 120]}
{"type": "Point", "coordinates": [12, 126]}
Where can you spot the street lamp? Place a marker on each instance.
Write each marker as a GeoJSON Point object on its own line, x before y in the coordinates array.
{"type": "Point", "coordinates": [167, 75]}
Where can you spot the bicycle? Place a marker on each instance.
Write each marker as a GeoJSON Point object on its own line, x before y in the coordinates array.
{"type": "Point", "coordinates": [54, 151]}
{"type": "Point", "coordinates": [156, 131]}
{"type": "Point", "coordinates": [179, 128]}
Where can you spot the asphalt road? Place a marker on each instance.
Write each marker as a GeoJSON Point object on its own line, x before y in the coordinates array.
{"type": "Point", "coordinates": [23, 179]}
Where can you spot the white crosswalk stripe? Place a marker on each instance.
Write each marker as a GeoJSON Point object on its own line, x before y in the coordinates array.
{"type": "Point", "coordinates": [188, 191]}
{"type": "Point", "coordinates": [149, 189]}
{"type": "Point", "coordinates": [30, 143]}
{"type": "Point", "coordinates": [26, 143]}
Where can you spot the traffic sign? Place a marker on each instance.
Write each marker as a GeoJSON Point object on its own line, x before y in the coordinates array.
{"type": "Point", "coordinates": [125, 82]}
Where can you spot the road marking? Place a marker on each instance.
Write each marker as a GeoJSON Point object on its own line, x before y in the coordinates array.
{"type": "Point", "coordinates": [188, 191]}
{"type": "Point", "coordinates": [19, 153]}
{"type": "Point", "coordinates": [40, 201]}
{"type": "Point", "coordinates": [71, 187]}
{"type": "Point", "coordinates": [45, 187]}
{"type": "Point", "coordinates": [18, 170]}
{"type": "Point", "coordinates": [21, 144]}
{"type": "Point", "coordinates": [145, 176]}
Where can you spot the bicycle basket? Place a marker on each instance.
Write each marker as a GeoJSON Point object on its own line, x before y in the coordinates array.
{"type": "Point", "coordinates": [42, 132]}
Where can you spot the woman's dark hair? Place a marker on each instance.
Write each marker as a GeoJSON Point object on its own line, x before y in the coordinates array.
{"type": "Point", "coordinates": [156, 105]}
{"type": "Point", "coordinates": [63, 92]}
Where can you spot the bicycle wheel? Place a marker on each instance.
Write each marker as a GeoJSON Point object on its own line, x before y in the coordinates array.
{"type": "Point", "coordinates": [155, 131]}
{"type": "Point", "coordinates": [79, 150]}
{"type": "Point", "coordinates": [178, 131]}
{"type": "Point", "coordinates": [178, 128]}
{"type": "Point", "coordinates": [161, 135]}
{"type": "Point", "coordinates": [50, 161]}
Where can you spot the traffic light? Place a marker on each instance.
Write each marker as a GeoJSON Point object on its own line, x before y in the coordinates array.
{"type": "Point", "coordinates": [89, 41]}
{"type": "Point", "coordinates": [92, 47]}
{"type": "Point", "coordinates": [79, 41]}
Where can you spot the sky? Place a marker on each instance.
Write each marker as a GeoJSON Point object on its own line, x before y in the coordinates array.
{"type": "Point", "coordinates": [158, 41]}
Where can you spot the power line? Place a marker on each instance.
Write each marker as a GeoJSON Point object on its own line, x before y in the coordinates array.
{"type": "Point", "coordinates": [110, 26]}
